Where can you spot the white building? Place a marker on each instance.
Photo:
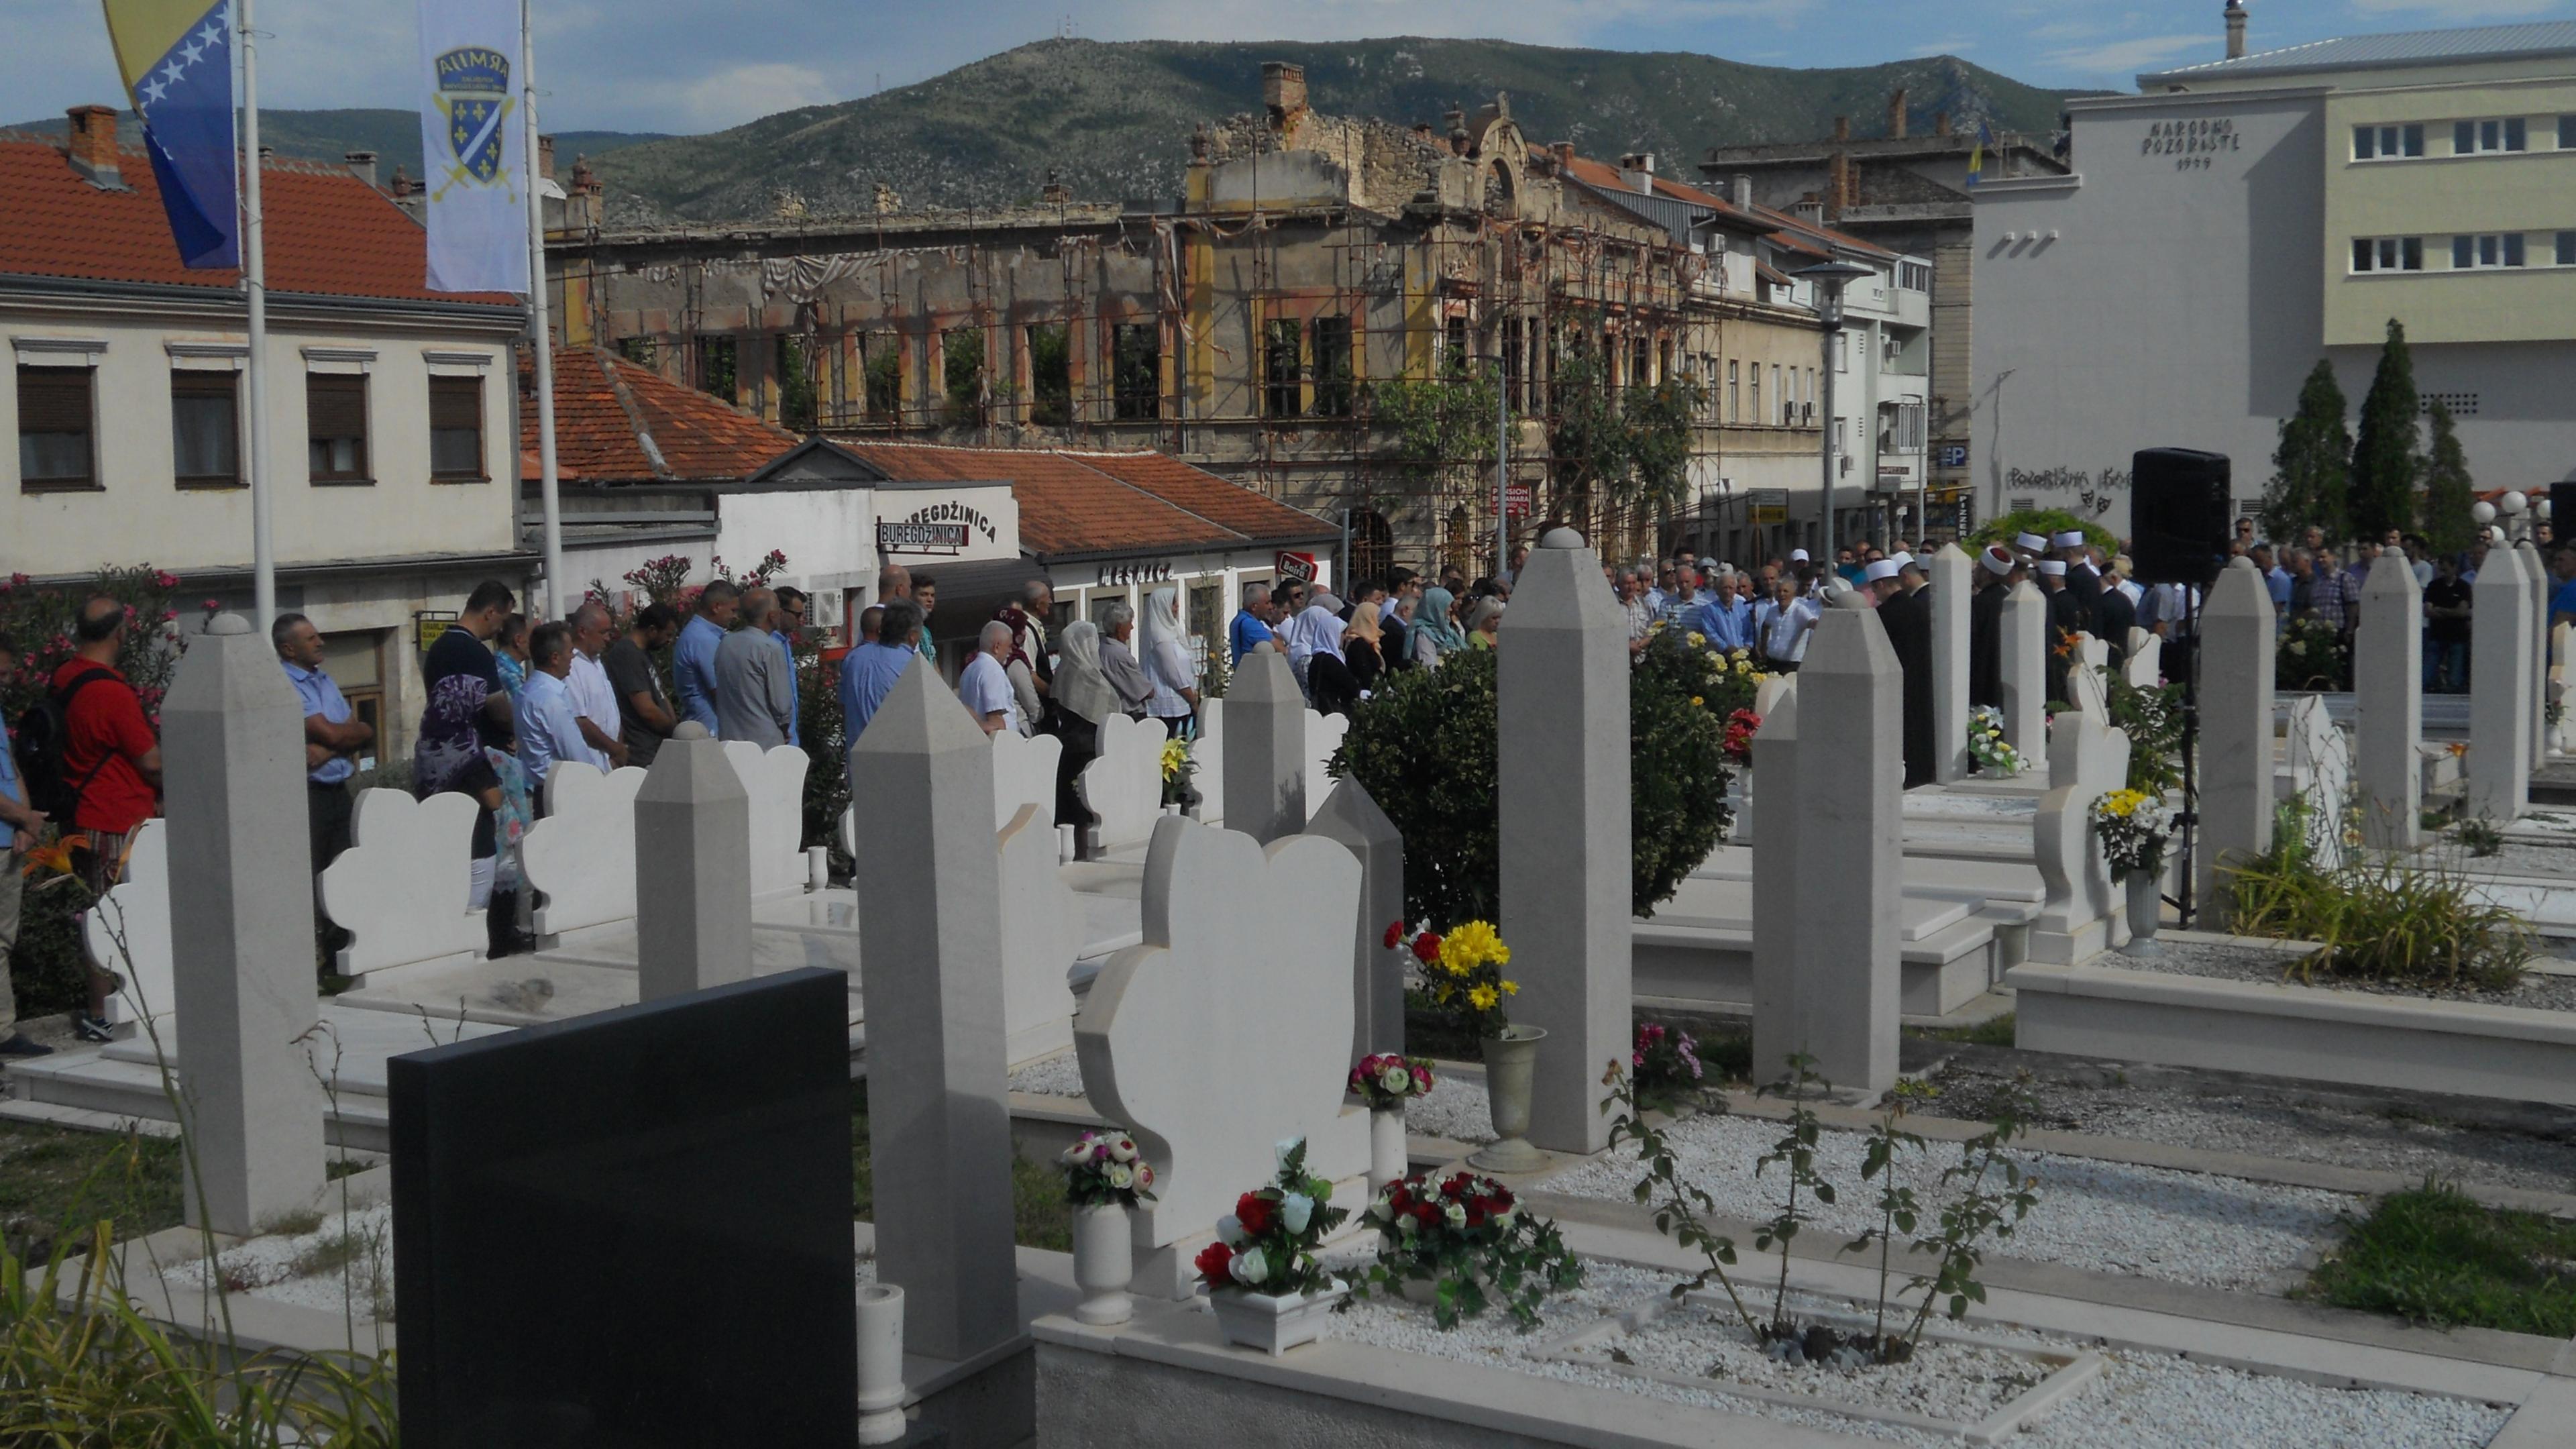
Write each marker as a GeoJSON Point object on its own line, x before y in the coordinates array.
{"type": "Point", "coordinates": [388, 407]}
{"type": "Point", "coordinates": [2238, 220]}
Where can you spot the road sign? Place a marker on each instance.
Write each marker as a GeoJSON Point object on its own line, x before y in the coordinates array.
{"type": "Point", "coordinates": [1951, 455]}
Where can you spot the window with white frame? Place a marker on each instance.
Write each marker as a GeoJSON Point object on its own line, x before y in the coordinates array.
{"type": "Point", "coordinates": [1904, 428]}
{"type": "Point", "coordinates": [1842, 352]}
{"type": "Point", "coordinates": [2388, 254]}
{"type": "Point", "coordinates": [2479, 138]}
{"type": "Point", "coordinates": [2386, 143]}
{"type": "Point", "coordinates": [1914, 276]}
{"type": "Point", "coordinates": [2479, 253]}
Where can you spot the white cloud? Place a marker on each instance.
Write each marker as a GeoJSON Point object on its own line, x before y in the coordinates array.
{"type": "Point", "coordinates": [2457, 10]}
{"type": "Point", "coordinates": [740, 93]}
{"type": "Point", "coordinates": [1949, 45]}
{"type": "Point", "coordinates": [2126, 55]}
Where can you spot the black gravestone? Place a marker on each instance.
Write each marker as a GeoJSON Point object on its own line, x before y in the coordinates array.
{"type": "Point", "coordinates": [631, 1231]}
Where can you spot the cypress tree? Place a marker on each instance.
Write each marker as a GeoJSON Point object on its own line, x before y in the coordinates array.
{"type": "Point", "coordinates": [2388, 455]}
{"type": "Point", "coordinates": [2311, 467]}
{"type": "Point", "coordinates": [2448, 493]}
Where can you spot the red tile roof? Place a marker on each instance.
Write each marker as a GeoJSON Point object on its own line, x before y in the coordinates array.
{"type": "Point", "coordinates": [1792, 232]}
{"type": "Point", "coordinates": [328, 232]}
{"type": "Point", "coordinates": [1074, 502]}
{"type": "Point", "coordinates": [606, 408]}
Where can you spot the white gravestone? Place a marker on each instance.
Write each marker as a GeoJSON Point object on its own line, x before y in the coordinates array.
{"type": "Point", "coordinates": [581, 857]}
{"type": "Point", "coordinates": [1024, 769]}
{"type": "Point", "coordinates": [2145, 666]}
{"type": "Point", "coordinates": [775, 781]}
{"type": "Point", "coordinates": [1950, 599]}
{"type": "Point", "coordinates": [2080, 915]}
{"type": "Point", "coordinates": [400, 889]}
{"type": "Point", "coordinates": [241, 932]}
{"type": "Point", "coordinates": [2320, 770]}
{"type": "Point", "coordinates": [2022, 669]}
{"type": "Point", "coordinates": [2092, 652]}
{"type": "Point", "coordinates": [1228, 1030]}
{"type": "Point", "coordinates": [693, 867]}
{"type": "Point", "coordinates": [1207, 753]}
{"type": "Point", "coordinates": [2561, 638]}
{"type": "Point", "coordinates": [2535, 572]}
{"type": "Point", "coordinates": [2236, 770]}
{"type": "Point", "coordinates": [136, 908]}
{"type": "Point", "coordinates": [2500, 661]}
{"type": "Point", "coordinates": [1324, 734]}
{"type": "Point", "coordinates": [1265, 749]}
{"type": "Point", "coordinates": [1351, 817]}
{"type": "Point", "coordinates": [1124, 785]}
{"type": "Point", "coordinates": [2085, 692]}
{"type": "Point", "coordinates": [1041, 936]}
{"type": "Point", "coordinates": [2389, 710]}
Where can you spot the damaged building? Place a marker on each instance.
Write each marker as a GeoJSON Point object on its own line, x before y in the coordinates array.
{"type": "Point", "coordinates": [1331, 315]}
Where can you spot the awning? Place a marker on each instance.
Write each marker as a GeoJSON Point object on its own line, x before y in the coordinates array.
{"type": "Point", "coordinates": [970, 592]}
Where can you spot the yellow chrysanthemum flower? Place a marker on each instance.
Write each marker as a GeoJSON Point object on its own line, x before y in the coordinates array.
{"type": "Point", "coordinates": [1695, 699]}
{"type": "Point", "coordinates": [1697, 639]}
{"type": "Point", "coordinates": [1511, 988]}
{"type": "Point", "coordinates": [1471, 945]}
{"type": "Point", "coordinates": [1483, 998]}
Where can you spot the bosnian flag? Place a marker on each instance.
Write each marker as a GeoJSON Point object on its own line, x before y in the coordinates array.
{"type": "Point", "coordinates": [177, 60]}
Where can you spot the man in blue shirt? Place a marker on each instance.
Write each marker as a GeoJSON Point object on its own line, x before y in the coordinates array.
{"type": "Point", "coordinates": [19, 824]}
{"type": "Point", "coordinates": [869, 672]}
{"type": "Point", "coordinates": [550, 729]}
{"type": "Point", "coordinates": [1727, 618]}
{"type": "Point", "coordinates": [693, 659]}
{"type": "Point", "coordinates": [786, 624]}
{"type": "Point", "coordinates": [333, 735]}
{"type": "Point", "coordinates": [1251, 627]}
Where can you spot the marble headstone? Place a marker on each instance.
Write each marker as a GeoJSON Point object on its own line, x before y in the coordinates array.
{"type": "Point", "coordinates": [129, 931]}
{"type": "Point", "coordinates": [1351, 817]}
{"type": "Point", "coordinates": [693, 867]}
{"type": "Point", "coordinates": [1024, 769]}
{"type": "Point", "coordinates": [400, 889]}
{"type": "Point", "coordinates": [1207, 753]}
{"type": "Point", "coordinates": [2236, 790]}
{"type": "Point", "coordinates": [1265, 748]}
{"type": "Point", "coordinates": [1950, 573]}
{"type": "Point", "coordinates": [2022, 667]}
{"type": "Point", "coordinates": [773, 782]}
{"type": "Point", "coordinates": [2080, 915]}
{"type": "Point", "coordinates": [2501, 625]}
{"type": "Point", "coordinates": [1123, 784]}
{"type": "Point", "coordinates": [1041, 936]}
{"type": "Point", "coordinates": [2321, 771]}
{"type": "Point", "coordinates": [2145, 666]}
{"type": "Point", "coordinates": [581, 857]}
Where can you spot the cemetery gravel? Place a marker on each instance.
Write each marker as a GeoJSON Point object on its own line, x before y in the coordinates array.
{"type": "Point", "coordinates": [2141, 1401]}
{"type": "Point", "coordinates": [2548, 992]}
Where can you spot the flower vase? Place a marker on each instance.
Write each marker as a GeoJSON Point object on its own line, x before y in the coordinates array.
{"type": "Point", "coordinates": [1389, 1156]}
{"type": "Point", "coordinates": [1511, 1062]}
{"type": "Point", "coordinates": [1104, 1263]}
{"type": "Point", "coordinates": [881, 1417]}
{"type": "Point", "coordinates": [2146, 902]}
{"type": "Point", "coordinates": [1274, 1323]}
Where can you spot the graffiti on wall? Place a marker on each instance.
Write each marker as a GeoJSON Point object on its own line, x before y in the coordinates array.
{"type": "Point", "coordinates": [2094, 492]}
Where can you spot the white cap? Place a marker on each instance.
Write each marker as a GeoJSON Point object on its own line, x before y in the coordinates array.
{"type": "Point", "coordinates": [1797, 555]}
{"type": "Point", "coordinates": [2052, 565]}
{"type": "Point", "coordinates": [1901, 559]}
{"type": "Point", "coordinates": [2071, 538]}
{"type": "Point", "coordinates": [1998, 560]}
{"type": "Point", "coordinates": [2030, 541]}
{"type": "Point", "coordinates": [1883, 569]}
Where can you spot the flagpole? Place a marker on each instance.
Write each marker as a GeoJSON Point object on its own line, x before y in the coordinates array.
{"type": "Point", "coordinates": [254, 259]}
{"type": "Point", "coordinates": [540, 330]}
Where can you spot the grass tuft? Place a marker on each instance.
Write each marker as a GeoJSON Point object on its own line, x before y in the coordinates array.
{"type": "Point", "coordinates": [2433, 1255]}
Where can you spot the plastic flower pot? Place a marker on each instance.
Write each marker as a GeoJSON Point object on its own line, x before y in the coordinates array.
{"type": "Point", "coordinates": [1104, 1263]}
{"type": "Point", "coordinates": [2146, 901]}
{"type": "Point", "coordinates": [1511, 1062]}
{"type": "Point", "coordinates": [1388, 1155]}
{"type": "Point", "coordinates": [881, 1418]}
{"type": "Point", "coordinates": [1274, 1323]}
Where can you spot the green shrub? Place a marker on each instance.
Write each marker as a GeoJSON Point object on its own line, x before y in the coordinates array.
{"type": "Point", "coordinates": [2435, 1256]}
{"type": "Point", "coordinates": [45, 970]}
{"type": "Point", "coordinates": [2312, 656]}
{"type": "Point", "coordinates": [2374, 919]}
{"type": "Point", "coordinates": [2047, 523]}
{"type": "Point", "coordinates": [1424, 750]}
{"type": "Point", "coordinates": [2152, 719]}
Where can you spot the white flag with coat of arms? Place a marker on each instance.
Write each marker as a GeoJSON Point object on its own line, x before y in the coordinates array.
{"type": "Point", "coordinates": [474, 145]}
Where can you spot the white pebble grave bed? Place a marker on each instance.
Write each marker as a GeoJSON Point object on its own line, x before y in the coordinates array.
{"type": "Point", "coordinates": [2152, 1222]}
{"type": "Point", "coordinates": [280, 1266]}
{"type": "Point", "coordinates": [2140, 1400]}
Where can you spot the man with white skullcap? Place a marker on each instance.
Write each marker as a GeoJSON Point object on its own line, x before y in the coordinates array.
{"type": "Point", "coordinates": [1997, 571]}
{"type": "Point", "coordinates": [2065, 621]}
{"type": "Point", "coordinates": [2030, 545]}
{"type": "Point", "coordinates": [2081, 578]}
{"type": "Point", "coordinates": [1907, 617]}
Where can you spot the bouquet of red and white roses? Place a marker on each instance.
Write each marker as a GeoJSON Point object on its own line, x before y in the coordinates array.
{"type": "Point", "coordinates": [1385, 1081]}
{"type": "Point", "coordinates": [1267, 1244]}
{"type": "Point", "coordinates": [1105, 1168]}
{"type": "Point", "coordinates": [1463, 1234]}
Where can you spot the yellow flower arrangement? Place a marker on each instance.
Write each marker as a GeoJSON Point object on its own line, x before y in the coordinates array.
{"type": "Point", "coordinates": [1468, 983]}
{"type": "Point", "coordinates": [2122, 803]}
{"type": "Point", "coordinates": [1695, 699]}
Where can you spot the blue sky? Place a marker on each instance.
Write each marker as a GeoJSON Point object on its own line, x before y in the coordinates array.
{"type": "Point", "coordinates": [693, 65]}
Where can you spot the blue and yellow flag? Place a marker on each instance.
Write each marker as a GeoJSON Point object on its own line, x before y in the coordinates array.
{"type": "Point", "coordinates": [1977, 154]}
{"type": "Point", "coordinates": [177, 60]}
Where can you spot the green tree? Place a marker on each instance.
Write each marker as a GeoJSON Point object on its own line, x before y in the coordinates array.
{"type": "Point", "coordinates": [2311, 469]}
{"type": "Point", "coordinates": [2388, 454]}
{"type": "Point", "coordinates": [2448, 493]}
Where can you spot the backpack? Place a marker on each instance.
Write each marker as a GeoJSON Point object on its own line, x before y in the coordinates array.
{"type": "Point", "coordinates": [41, 739]}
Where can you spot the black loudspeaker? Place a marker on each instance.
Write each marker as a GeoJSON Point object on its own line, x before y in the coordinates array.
{"type": "Point", "coordinates": [2179, 509]}
{"type": "Point", "coordinates": [2562, 513]}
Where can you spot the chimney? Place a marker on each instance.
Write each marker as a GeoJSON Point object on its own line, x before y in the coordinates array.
{"type": "Point", "coordinates": [362, 164]}
{"type": "Point", "coordinates": [92, 147]}
{"type": "Point", "coordinates": [1838, 184]}
{"type": "Point", "coordinates": [1810, 207]}
{"type": "Point", "coordinates": [1422, 132]}
{"type": "Point", "coordinates": [2235, 29]}
{"type": "Point", "coordinates": [1457, 119]}
{"type": "Point", "coordinates": [1283, 91]}
{"type": "Point", "coordinates": [1741, 192]}
{"type": "Point", "coordinates": [1564, 153]}
{"type": "Point", "coordinates": [1842, 128]}
{"type": "Point", "coordinates": [1941, 124]}
{"type": "Point", "coordinates": [1896, 114]}
{"type": "Point", "coordinates": [1637, 168]}
{"type": "Point", "coordinates": [546, 158]}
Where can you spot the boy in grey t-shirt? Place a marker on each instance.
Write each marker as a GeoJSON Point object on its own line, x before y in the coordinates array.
{"type": "Point", "coordinates": [644, 714]}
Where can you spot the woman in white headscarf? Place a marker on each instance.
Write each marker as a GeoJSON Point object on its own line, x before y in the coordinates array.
{"type": "Point", "coordinates": [1083, 698]}
{"type": "Point", "coordinates": [1317, 633]}
{"type": "Point", "coordinates": [1175, 701]}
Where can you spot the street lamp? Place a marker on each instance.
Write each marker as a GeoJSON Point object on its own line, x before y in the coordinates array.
{"type": "Point", "coordinates": [1829, 279]}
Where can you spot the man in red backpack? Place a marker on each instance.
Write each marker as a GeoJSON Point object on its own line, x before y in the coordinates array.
{"type": "Point", "coordinates": [112, 762]}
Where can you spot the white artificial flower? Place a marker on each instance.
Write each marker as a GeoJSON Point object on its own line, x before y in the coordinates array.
{"type": "Point", "coordinates": [1457, 1215]}
{"type": "Point", "coordinates": [1395, 1079]}
{"type": "Point", "coordinates": [1229, 1230]}
{"type": "Point", "coordinates": [1121, 1175]}
{"type": "Point", "coordinates": [1249, 1266]}
{"type": "Point", "coordinates": [1381, 1210]}
{"type": "Point", "coordinates": [1122, 1149]}
{"type": "Point", "coordinates": [1280, 1149]}
{"type": "Point", "coordinates": [1296, 1210]}
{"type": "Point", "coordinates": [1407, 1226]}
{"type": "Point", "coordinates": [1504, 1216]}
{"type": "Point", "coordinates": [1080, 1152]}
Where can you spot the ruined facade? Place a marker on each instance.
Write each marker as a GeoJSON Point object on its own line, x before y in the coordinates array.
{"type": "Point", "coordinates": [1260, 326]}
